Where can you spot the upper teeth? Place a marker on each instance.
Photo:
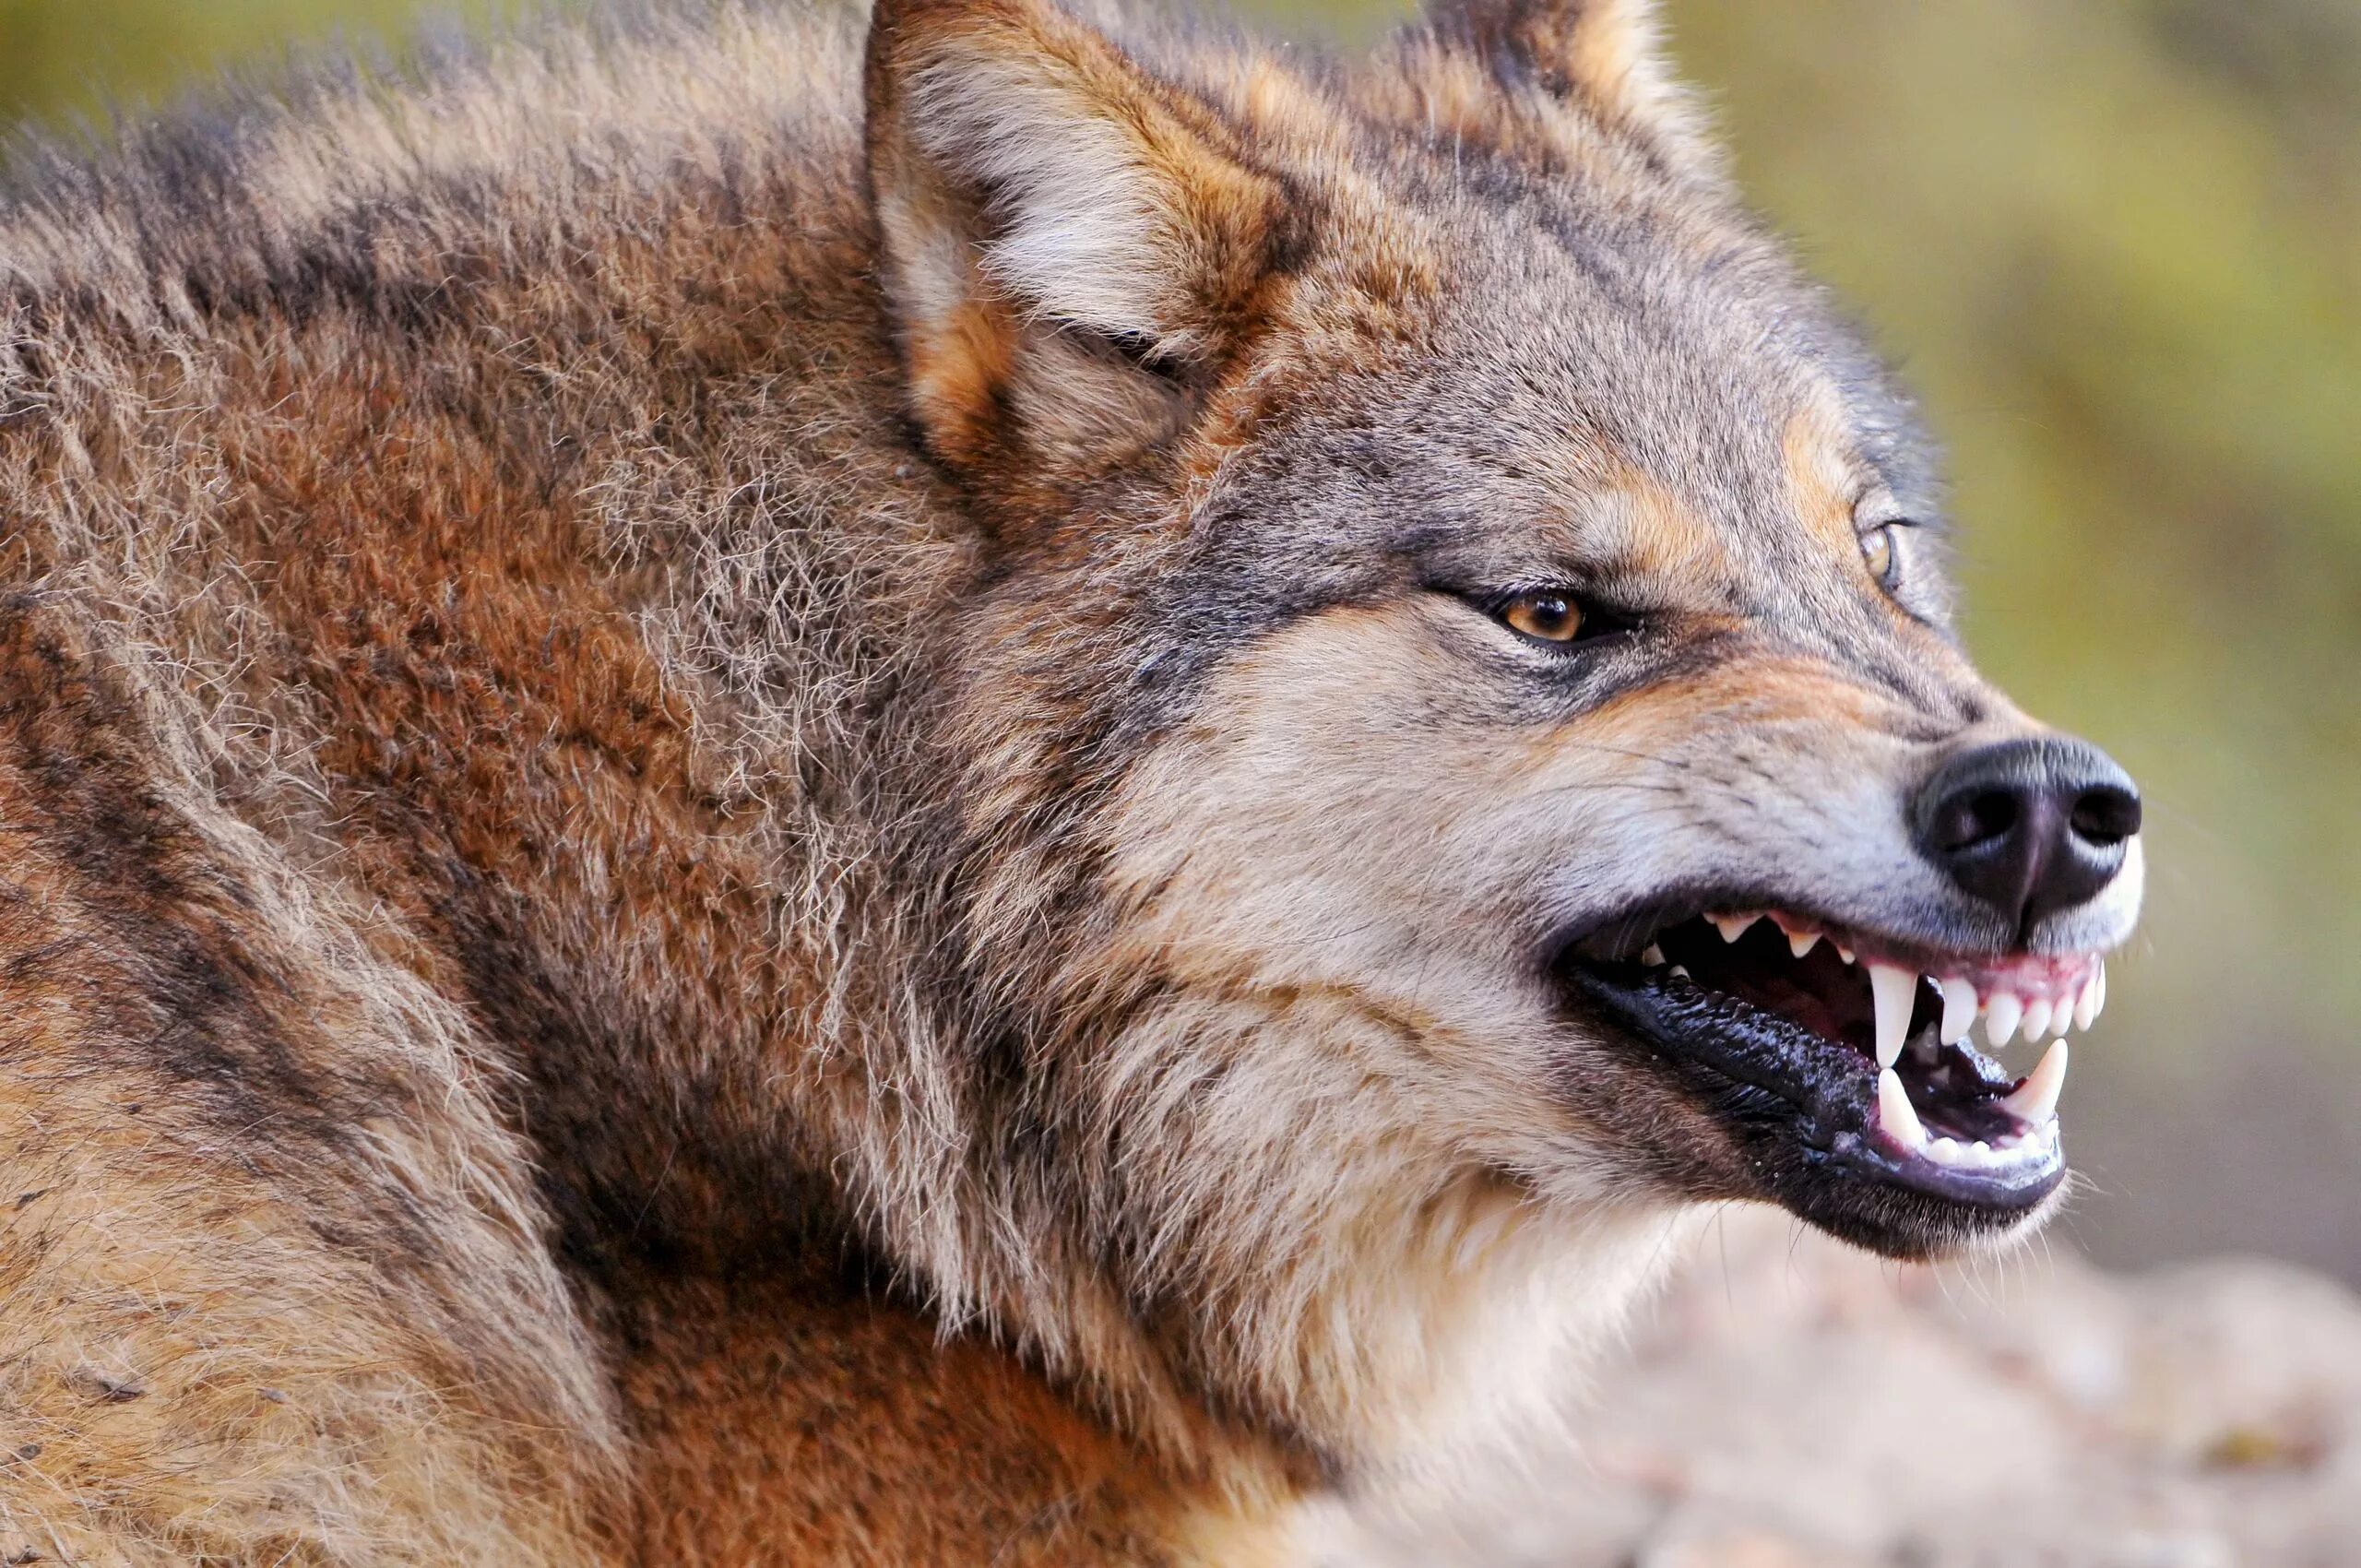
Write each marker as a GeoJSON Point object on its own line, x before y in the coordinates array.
{"type": "Point", "coordinates": [2093, 997]}
{"type": "Point", "coordinates": [1732, 927]}
{"type": "Point", "coordinates": [2001, 1015]}
{"type": "Point", "coordinates": [2036, 1019]}
{"type": "Point", "coordinates": [1894, 993]}
{"type": "Point", "coordinates": [1959, 1007]}
{"type": "Point", "coordinates": [2008, 1017]}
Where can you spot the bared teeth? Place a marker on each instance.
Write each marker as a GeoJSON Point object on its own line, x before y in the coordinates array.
{"type": "Point", "coordinates": [1652, 954]}
{"type": "Point", "coordinates": [1959, 1008]}
{"type": "Point", "coordinates": [2035, 1100]}
{"type": "Point", "coordinates": [2002, 1015]}
{"type": "Point", "coordinates": [1893, 992]}
{"type": "Point", "coordinates": [1971, 1156]}
{"type": "Point", "coordinates": [2086, 1005]}
{"type": "Point", "coordinates": [2030, 1144]}
{"type": "Point", "coordinates": [1896, 1115]}
{"type": "Point", "coordinates": [2034, 1015]}
{"type": "Point", "coordinates": [2036, 1022]}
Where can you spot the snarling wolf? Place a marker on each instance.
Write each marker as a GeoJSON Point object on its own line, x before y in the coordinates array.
{"type": "Point", "coordinates": [958, 788]}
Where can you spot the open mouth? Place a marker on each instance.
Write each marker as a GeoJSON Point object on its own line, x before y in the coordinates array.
{"type": "Point", "coordinates": [1856, 1049]}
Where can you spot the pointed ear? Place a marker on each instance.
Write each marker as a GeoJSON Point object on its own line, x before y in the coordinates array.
{"type": "Point", "coordinates": [1071, 247]}
{"type": "Point", "coordinates": [1601, 58]}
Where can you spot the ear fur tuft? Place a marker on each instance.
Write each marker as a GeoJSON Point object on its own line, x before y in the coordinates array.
{"type": "Point", "coordinates": [1605, 58]}
{"type": "Point", "coordinates": [1062, 233]}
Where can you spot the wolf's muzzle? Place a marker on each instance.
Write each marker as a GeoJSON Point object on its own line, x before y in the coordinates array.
{"type": "Point", "coordinates": [2030, 825]}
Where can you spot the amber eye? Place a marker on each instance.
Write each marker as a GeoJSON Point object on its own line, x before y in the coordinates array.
{"type": "Point", "coordinates": [1545, 617]}
{"type": "Point", "coordinates": [1884, 556]}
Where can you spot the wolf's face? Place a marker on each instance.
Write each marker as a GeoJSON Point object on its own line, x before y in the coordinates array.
{"type": "Point", "coordinates": [1592, 720]}
{"type": "Point", "coordinates": [1465, 697]}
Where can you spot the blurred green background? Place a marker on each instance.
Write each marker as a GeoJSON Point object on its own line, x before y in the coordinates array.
{"type": "Point", "coordinates": [2118, 245]}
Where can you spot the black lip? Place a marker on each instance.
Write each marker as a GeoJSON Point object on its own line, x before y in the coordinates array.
{"type": "Point", "coordinates": [1620, 937]}
{"type": "Point", "coordinates": [1804, 1110]}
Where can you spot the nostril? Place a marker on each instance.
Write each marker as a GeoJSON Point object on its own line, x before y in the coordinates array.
{"type": "Point", "coordinates": [2106, 815]}
{"type": "Point", "coordinates": [2027, 825]}
{"type": "Point", "coordinates": [1974, 816]}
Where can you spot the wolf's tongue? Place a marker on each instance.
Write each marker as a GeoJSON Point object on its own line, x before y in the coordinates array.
{"type": "Point", "coordinates": [1818, 991]}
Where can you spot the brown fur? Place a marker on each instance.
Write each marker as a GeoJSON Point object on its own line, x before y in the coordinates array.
{"type": "Point", "coordinates": [687, 765]}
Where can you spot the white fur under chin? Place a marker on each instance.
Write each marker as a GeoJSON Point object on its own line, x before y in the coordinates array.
{"type": "Point", "coordinates": [1500, 1331]}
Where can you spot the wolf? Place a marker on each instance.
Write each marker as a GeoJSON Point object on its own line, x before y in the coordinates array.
{"type": "Point", "coordinates": [961, 786]}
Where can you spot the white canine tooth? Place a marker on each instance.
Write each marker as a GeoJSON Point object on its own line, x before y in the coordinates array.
{"type": "Point", "coordinates": [1843, 952]}
{"type": "Point", "coordinates": [2035, 1099]}
{"type": "Point", "coordinates": [1896, 1115]}
{"type": "Point", "coordinates": [1732, 927]}
{"type": "Point", "coordinates": [1892, 992]}
{"type": "Point", "coordinates": [1652, 954]}
{"type": "Point", "coordinates": [2086, 1005]}
{"type": "Point", "coordinates": [1802, 941]}
{"type": "Point", "coordinates": [1959, 1008]}
{"type": "Point", "coordinates": [2100, 1005]}
{"type": "Point", "coordinates": [2002, 1015]}
{"type": "Point", "coordinates": [1680, 972]}
{"type": "Point", "coordinates": [2036, 1019]}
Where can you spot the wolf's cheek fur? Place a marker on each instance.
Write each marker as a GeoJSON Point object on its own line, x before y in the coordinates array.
{"type": "Point", "coordinates": [1304, 843]}
{"type": "Point", "coordinates": [1351, 822]}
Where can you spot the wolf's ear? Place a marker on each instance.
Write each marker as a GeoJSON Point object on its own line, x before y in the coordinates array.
{"type": "Point", "coordinates": [1070, 246]}
{"type": "Point", "coordinates": [1603, 59]}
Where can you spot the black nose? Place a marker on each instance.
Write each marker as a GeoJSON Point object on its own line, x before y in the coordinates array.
{"type": "Point", "coordinates": [2028, 825]}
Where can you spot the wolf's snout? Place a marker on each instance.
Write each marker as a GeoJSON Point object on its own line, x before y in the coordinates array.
{"type": "Point", "coordinates": [2028, 825]}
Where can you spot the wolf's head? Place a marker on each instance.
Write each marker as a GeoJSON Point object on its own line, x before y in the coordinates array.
{"type": "Point", "coordinates": [1460, 737]}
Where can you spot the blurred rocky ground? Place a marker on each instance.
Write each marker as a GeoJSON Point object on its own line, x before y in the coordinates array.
{"type": "Point", "coordinates": [1793, 1403]}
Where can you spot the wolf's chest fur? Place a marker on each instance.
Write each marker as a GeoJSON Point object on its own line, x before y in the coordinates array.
{"type": "Point", "coordinates": [784, 791]}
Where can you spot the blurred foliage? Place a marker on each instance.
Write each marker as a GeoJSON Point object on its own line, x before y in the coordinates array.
{"type": "Point", "coordinates": [64, 61]}
{"type": "Point", "coordinates": [2118, 245]}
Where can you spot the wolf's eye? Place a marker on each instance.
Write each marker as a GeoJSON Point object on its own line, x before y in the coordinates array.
{"type": "Point", "coordinates": [1545, 617]}
{"type": "Point", "coordinates": [1881, 548]}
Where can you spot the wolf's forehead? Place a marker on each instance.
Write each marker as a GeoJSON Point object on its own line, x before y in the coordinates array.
{"type": "Point", "coordinates": [1692, 370]}
{"type": "Point", "coordinates": [1555, 376]}
{"type": "Point", "coordinates": [1633, 441]}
